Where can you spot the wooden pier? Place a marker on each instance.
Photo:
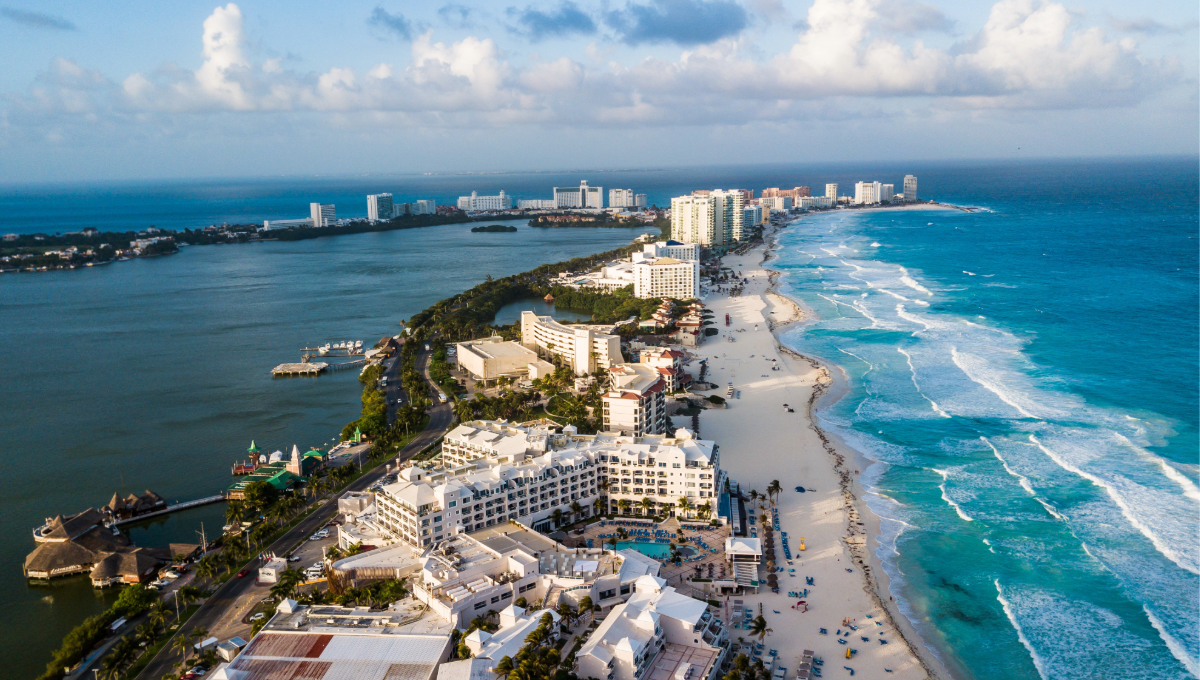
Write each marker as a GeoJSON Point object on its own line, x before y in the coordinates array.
{"type": "Point", "coordinates": [304, 368]}
{"type": "Point", "coordinates": [172, 508]}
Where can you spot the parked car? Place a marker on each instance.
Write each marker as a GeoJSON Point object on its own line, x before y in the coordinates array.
{"type": "Point", "coordinates": [257, 617]}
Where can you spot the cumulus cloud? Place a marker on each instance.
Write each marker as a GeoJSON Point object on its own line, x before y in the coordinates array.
{"type": "Point", "coordinates": [536, 24]}
{"type": "Point", "coordinates": [846, 62]}
{"type": "Point", "coordinates": [36, 19]}
{"type": "Point", "coordinates": [393, 24]}
{"type": "Point", "coordinates": [684, 22]}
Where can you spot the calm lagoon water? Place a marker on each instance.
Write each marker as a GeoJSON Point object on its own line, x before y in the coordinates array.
{"type": "Point", "coordinates": [156, 374]}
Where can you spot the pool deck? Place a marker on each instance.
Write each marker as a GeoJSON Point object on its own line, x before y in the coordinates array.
{"type": "Point", "coordinates": [675, 575]}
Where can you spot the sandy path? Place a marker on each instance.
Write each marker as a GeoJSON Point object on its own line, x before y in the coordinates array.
{"type": "Point", "coordinates": [760, 442]}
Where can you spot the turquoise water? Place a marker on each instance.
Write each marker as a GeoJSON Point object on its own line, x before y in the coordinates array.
{"type": "Point", "coordinates": [155, 374]}
{"type": "Point", "coordinates": [659, 551]}
{"type": "Point", "coordinates": [1024, 378]}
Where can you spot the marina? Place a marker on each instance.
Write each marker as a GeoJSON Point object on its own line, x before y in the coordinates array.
{"type": "Point", "coordinates": [349, 348]}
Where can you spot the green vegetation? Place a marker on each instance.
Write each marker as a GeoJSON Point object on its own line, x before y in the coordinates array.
{"type": "Point", "coordinates": [745, 669]}
{"type": "Point", "coordinates": [132, 601]}
{"type": "Point", "coordinates": [714, 399]}
{"type": "Point", "coordinates": [493, 229]}
{"type": "Point", "coordinates": [572, 220]}
{"type": "Point", "coordinates": [605, 307]}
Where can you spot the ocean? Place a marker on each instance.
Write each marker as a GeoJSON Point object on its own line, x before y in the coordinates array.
{"type": "Point", "coordinates": [1057, 325]}
{"type": "Point", "coordinates": [1024, 379]}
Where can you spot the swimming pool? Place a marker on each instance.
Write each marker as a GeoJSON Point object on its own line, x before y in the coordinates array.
{"type": "Point", "coordinates": [659, 551]}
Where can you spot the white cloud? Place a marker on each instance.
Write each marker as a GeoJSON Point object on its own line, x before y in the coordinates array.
{"type": "Point", "coordinates": [844, 63]}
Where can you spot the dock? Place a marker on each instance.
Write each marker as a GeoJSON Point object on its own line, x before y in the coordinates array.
{"type": "Point", "coordinates": [171, 508]}
{"type": "Point", "coordinates": [304, 368]}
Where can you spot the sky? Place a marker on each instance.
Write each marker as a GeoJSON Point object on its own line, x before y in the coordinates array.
{"type": "Point", "coordinates": [137, 90]}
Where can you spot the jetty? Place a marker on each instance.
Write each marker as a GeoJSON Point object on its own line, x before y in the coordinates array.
{"type": "Point", "coordinates": [174, 507]}
{"type": "Point", "coordinates": [302, 368]}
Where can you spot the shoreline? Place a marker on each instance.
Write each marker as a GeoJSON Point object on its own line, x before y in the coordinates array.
{"type": "Point", "coordinates": [828, 391]}
{"type": "Point", "coordinates": [832, 516]}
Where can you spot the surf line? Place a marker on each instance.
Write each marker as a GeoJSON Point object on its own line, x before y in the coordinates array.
{"type": "Point", "coordinates": [1159, 544]}
{"type": "Point", "coordinates": [912, 369]}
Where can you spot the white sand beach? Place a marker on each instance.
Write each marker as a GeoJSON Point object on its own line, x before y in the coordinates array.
{"type": "Point", "coordinates": [760, 441]}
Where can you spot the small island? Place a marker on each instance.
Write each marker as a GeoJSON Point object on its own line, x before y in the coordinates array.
{"type": "Point", "coordinates": [492, 228]}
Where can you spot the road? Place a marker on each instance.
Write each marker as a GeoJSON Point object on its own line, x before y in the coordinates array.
{"type": "Point", "coordinates": [234, 597]}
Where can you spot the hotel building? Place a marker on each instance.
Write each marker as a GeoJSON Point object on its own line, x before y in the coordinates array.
{"type": "Point", "coordinates": [831, 192]}
{"type": "Point", "coordinates": [658, 634]}
{"type": "Point", "coordinates": [910, 187]}
{"type": "Point", "coordinates": [585, 348]}
{"type": "Point", "coordinates": [867, 193]}
{"type": "Point", "coordinates": [636, 403]}
{"type": "Point", "coordinates": [581, 196]}
{"type": "Point", "coordinates": [322, 215]}
{"type": "Point", "coordinates": [379, 207]}
{"type": "Point", "coordinates": [694, 219]}
{"type": "Point", "coordinates": [428, 505]}
{"type": "Point", "coordinates": [620, 198]}
{"type": "Point", "coordinates": [666, 277]}
{"type": "Point", "coordinates": [476, 202]}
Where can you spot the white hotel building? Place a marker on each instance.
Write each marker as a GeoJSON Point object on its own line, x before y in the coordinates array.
{"type": "Point", "coordinates": [581, 196]}
{"type": "Point", "coordinates": [620, 198]}
{"type": "Point", "coordinates": [636, 404]}
{"type": "Point", "coordinates": [666, 277]}
{"type": "Point", "coordinates": [658, 632]}
{"type": "Point", "coordinates": [492, 472]}
{"type": "Point", "coordinates": [379, 207]}
{"type": "Point", "coordinates": [429, 505]}
{"type": "Point", "coordinates": [585, 348]}
{"type": "Point", "coordinates": [475, 202]}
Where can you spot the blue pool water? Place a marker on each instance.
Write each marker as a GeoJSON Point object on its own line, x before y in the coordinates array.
{"type": "Point", "coordinates": [659, 551]}
{"type": "Point", "coordinates": [1024, 378]}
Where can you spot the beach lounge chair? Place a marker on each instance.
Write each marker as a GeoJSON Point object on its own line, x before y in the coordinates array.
{"type": "Point", "coordinates": [824, 632]}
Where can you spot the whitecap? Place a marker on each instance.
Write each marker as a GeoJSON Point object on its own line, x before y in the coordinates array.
{"type": "Point", "coordinates": [875, 245]}
{"type": "Point", "coordinates": [1177, 648]}
{"type": "Point", "coordinates": [971, 366]}
{"type": "Point", "coordinates": [958, 509]}
{"type": "Point", "coordinates": [1131, 514]}
{"type": "Point", "coordinates": [912, 369]}
{"type": "Point", "coordinates": [1033, 655]}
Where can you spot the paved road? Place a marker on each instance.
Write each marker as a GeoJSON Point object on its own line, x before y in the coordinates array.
{"type": "Point", "coordinates": [234, 595]}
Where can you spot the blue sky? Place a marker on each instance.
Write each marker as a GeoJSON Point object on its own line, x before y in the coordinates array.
{"type": "Point", "coordinates": [140, 89]}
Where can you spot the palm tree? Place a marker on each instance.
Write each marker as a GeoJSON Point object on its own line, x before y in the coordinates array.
{"type": "Point", "coordinates": [181, 645]}
{"type": "Point", "coordinates": [188, 594]}
{"type": "Point", "coordinates": [705, 509]}
{"type": "Point", "coordinates": [576, 509]}
{"type": "Point", "coordinates": [463, 410]}
{"type": "Point", "coordinates": [623, 505]}
{"type": "Point", "coordinates": [685, 505]}
{"type": "Point", "coordinates": [759, 629]}
{"type": "Point", "coordinates": [773, 489]}
{"type": "Point", "coordinates": [558, 515]}
{"type": "Point", "coordinates": [233, 511]}
{"type": "Point", "coordinates": [158, 614]}
{"type": "Point", "coordinates": [206, 568]}
{"type": "Point", "coordinates": [647, 505]}
{"type": "Point", "coordinates": [504, 666]}
{"type": "Point", "coordinates": [753, 494]}
{"type": "Point", "coordinates": [586, 604]}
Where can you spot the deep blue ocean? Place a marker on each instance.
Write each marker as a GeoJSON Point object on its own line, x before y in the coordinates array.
{"type": "Point", "coordinates": [1025, 377]}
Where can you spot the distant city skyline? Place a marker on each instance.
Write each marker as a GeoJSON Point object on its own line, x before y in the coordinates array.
{"type": "Point", "coordinates": [257, 88]}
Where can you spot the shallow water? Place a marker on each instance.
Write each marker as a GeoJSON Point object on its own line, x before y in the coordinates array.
{"type": "Point", "coordinates": [1025, 376]}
